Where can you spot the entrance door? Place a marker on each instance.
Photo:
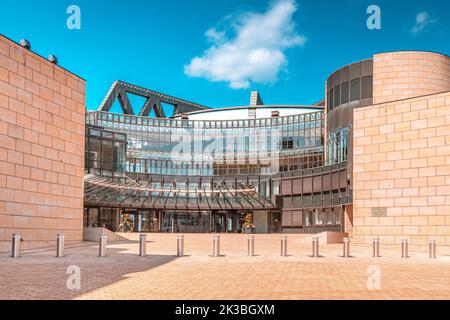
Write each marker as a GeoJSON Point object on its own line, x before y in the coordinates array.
{"type": "Point", "coordinates": [154, 221]}
{"type": "Point", "coordinates": [168, 221]}
{"type": "Point", "coordinates": [275, 225]}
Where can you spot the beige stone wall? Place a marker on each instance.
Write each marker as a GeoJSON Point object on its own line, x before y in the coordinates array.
{"type": "Point", "coordinates": [402, 163]}
{"type": "Point", "coordinates": [42, 114]}
{"type": "Point", "coordinates": [407, 74]}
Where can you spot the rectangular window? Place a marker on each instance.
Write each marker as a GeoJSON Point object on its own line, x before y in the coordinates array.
{"type": "Point", "coordinates": [330, 218]}
{"type": "Point", "coordinates": [344, 92]}
{"type": "Point", "coordinates": [366, 87]}
{"type": "Point", "coordinates": [318, 217]}
{"type": "Point", "coordinates": [332, 98]}
{"type": "Point", "coordinates": [355, 86]}
{"type": "Point", "coordinates": [337, 217]}
{"type": "Point", "coordinates": [337, 95]}
{"type": "Point", "coordinates": [329, 100]}
{"type": "Point", "coordinates": [307, 218]}
{"type": "Point", "coordinates": [107, 155]}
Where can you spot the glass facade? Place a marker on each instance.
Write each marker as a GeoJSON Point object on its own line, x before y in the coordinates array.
{"type": "Point", "coordinates": [105, 150]}
{"type": "Point", "coordinates": [184, 175]}
{"type": "Point", "coordinates": [215, 148]}
{"type": "Point", "coordinates": [337, 145]}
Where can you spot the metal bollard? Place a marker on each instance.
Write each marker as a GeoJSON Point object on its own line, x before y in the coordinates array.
{"type": "Point", "coordinates": [432, 249]}
{"type": "Point", "coordinates": [180, 246]}
{"type": "Point", "coordinates": [376, 247]}
{"type": "Point", "coordinates": [60, 245]}
{"type": "Point", "coordinates": [405, 248]}
{"type": "Point", "coordinates": [15, 245]}
{"type": "Point", "coordinates": [315, 247]}
{"type": "Point", "coordinates": [102, 241]}
{"type": "Point", "coordinates": [346, 248]}
{"type": "Point", "coordinates": [142, 245]}
{"type": "Point", "coordinates": [251, 246]}
{"type": "Point", "coordinates": [216, 245]}
{"type": "Point", "coordinates": [284, 246]}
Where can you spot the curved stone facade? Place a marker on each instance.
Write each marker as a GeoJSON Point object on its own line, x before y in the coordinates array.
{"type": "Point", "coordinates": [407, 74]}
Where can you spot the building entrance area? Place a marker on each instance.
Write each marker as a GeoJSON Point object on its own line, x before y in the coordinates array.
{"type": "Point", "coordinates": [123, 220]}
{"type": "Point", "coordinates": [171, 221]}
{"type": "Point", "coordinates": [202, 221]}
{"type": "Point", "coordinates": [139, 221]}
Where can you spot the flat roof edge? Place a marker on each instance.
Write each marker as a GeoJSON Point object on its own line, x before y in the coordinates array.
{"type": "Point", "coordinates": [41, 56]}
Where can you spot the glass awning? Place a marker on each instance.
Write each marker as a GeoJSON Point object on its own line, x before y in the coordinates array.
{"type": "Point", "coordinates": [125, 192]}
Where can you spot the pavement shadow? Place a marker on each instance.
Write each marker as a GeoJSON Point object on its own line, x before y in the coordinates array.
{"type": "Point", "coordinates": [40, 275]}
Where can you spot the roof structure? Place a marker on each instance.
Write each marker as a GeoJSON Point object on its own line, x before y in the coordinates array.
{"type": "Point", "coordinates": [101, 191]}
{"type": "Point", "coordinates": [154, 100]}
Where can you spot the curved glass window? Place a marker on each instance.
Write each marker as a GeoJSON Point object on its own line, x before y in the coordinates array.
{"type": "Point", "coordinates": [209, 148]}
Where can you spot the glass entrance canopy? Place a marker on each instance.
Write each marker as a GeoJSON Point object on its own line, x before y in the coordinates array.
{"type": "Point", "coordinates": [125, 192]}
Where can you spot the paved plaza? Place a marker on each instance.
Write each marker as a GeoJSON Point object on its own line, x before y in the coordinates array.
{"type": "Point", "coordinates": [234, 275]}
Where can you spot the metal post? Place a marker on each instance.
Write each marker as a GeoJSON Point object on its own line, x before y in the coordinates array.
{"type": "Point", "coordinates": [180, 245]}
{"type": "Point", "coordinates": [15, 245]}
{"type": "Point", "coordinates": [102, 240]}
{"type": "Point", "coordinates": [405, 248]}
{"type": "Point", "coordinates": [60, 245]}
{"type": "Point", "coordinates": [432, 249]}
{"type": "Point", "coordinates": [315, 247]}
{"type": "Point", "coordinates": [376, 247]}
{"type": "Point", "coordinates": [216, 245]}
{"type": "Point", "coordinates": [142, 245]}
{"type": "Point", "coordinates": [251, 246]}
{"type": "Point", "coordinates": [346, 248]}
{"type": "Point", "coordinates": [284, 246]}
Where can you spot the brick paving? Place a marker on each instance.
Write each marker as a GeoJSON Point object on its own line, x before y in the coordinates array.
{"type": "Point", "coordinates": [198, 275]}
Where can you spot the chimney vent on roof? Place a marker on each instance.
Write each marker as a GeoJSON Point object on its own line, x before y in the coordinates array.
{"type": "Point", "coordinates": [25, 43]}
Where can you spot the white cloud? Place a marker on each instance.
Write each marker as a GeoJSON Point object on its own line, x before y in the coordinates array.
{"type": "Point", "coordinates": [255, 50]}
{"type": "Point", "coordinates": [422, 20]}
{"type": "Point", "coordinates": [215, 36]}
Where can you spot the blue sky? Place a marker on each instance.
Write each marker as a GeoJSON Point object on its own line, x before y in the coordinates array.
{"type": "Point", "coordinates": [287, 57]}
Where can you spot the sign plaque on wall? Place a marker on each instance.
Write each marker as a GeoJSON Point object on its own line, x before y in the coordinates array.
{"type": "Point", "coordinates": [379, 212]}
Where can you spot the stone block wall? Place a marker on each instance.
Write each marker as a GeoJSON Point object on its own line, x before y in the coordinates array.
{"type": "Point", "coordinates": [42, 116]}
{"type": "Point", "coordinates": [401, 179]}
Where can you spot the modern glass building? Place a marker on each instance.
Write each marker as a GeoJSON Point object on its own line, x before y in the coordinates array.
{"type": "Point", "coordinates": [208, 170]}
{"type": "Point", "coordinates": [370, 160]}
{"type": "Point", "coordinates": [283, 168]}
